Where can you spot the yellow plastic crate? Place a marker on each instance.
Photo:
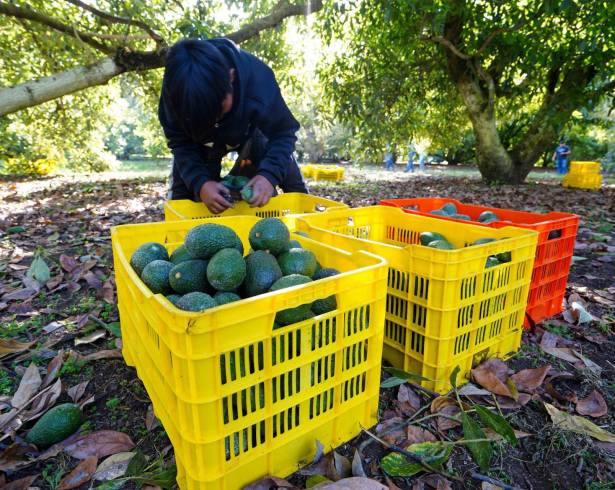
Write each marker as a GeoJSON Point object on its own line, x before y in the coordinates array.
{"type": "Point", "coordinates": [281, 205]}
{"type": "Point", "coordinates": [444, 308]}
{"type": "Point", "coordinates": [333, 173]}
{"type": "Point", "coordinates": [582, 181]}
{"type": "Point", "coordinates": [238, 399]}
{"type": "Point", "coordinates": [578, 167]}
{"type": "Point", "coordinates": [307, 170]}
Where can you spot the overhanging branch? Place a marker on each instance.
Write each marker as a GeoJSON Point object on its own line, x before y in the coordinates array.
{"type": "Point", "coordinates": [448, 45]}
{"type": "Point", "coordinates": [114, 19]}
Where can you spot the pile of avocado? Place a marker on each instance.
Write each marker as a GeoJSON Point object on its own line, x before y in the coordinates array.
{"type": "Point", "coordinates": [436, 240]}
{"type": "Point", "coordinates": [209, 269]}
{"type": "Point", "coordinates": [237, 190]}
{"type": "Point", "coordinates": [450, 210]}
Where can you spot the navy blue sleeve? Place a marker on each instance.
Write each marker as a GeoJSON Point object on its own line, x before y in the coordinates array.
{"type": "Point", "coordinates": [279, 125]}
{"type": "Point", "coordinates": [187, 154]}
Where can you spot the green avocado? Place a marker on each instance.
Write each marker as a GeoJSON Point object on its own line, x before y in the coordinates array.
{"type": "Point", "coordinates": [262, 270]}
{"type": "Point", "coordinates": [146, 253]}
{"type": "Point", "coordinates": [189, 276]}
{"type": "Point", "coordinates": [226, 270]}
{"type": "Point", "coordinates": [429, 236]}
{"type": "Point", "coordinates": [181, 254]}
{"type": "Point", "coordinates": [204, 241]}
{"type": "Point", "coordinates": [55, 425]}
{"type": "Point", "coordinates": [441, 244]}
{"type": "Point", "coordinates": [298, 261]}
{"type": "Point", "coordinates": [449, 208]}
{"type": "Point", "coordinates": [487, 217]}
{"type": "Point", "coordinates": [298, 313]}
{"type": "Point", "coordinates": [270, 234]}
{"type": "Point", "coordinates": [156, 276]}
{"type": "Point", "coordinates": [196, 301]}
{"type": "Point", "coordinates": [225, 297]}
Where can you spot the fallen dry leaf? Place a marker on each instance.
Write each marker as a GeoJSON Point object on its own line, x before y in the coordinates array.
{"type": "Point", "coordinates": [28, 386]}
{"type": "Point", "coordinates": [14, 456]}
{"type": "Point", "coordinates": [107, 293]}
{"type": "Point", "coordinates": [44, 402]}
{"type": "Point", "coordinates": [93, 337]}
{"type": "Point", "coordinates": [408, 401]}
{"type": "Point", "coordinates": [353, 483]}
{"type": "Point", "coordinates": [592, 405]}
{"type": "Point", "coordinates": [100, 444]}
{"type": "Point", "coordinates": [21, 484]}
{"type": "Point", "coordinates": [69, 264]}
{"type": "Point", "coordinates": [151, 421]}
{"type": "Point", "coordinates": [10, 346]}
{"type": "Point", "coordinates": [270, 482]}
{"type": "Point", "coordinates": [20, 294]}
{"type": "Point", "coordinates": [432, 480]}
{"type": "Point", "coordinates": [580, 425]}
{"type": "Point", "coordinates": [81, 474]}
{"type": "Point", "coordinates": [53, 368]}
{"type": "Point", "coordinates": [549, 339]}
{"type": "Point", "coordinates": [357, 465]}
{"type": "Point", "coordinates": [339, 467]}
{"type": "Point", "coordinates": [77, 391]}
{"type": "Point", "coordinates": [416, 434]}
{"type": "Point", "coordinates": [494, 436]}
{"type": "Point", "coordinates": [101, 354]}
{"type": "Point", "coordinates": [530, 379]}
{"type": "Point", "coordinates": [113, 467]}
{"type": "Point", "coordinates": [492, 375]}
{"type": "Point", "coordinates": [444, 423]}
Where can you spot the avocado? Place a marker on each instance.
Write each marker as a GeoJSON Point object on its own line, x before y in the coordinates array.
{"type": "Point", "coordinates": [441, 244]}
{"type": "Point", "coordinates": [491, 261]}
{"type": "Point", "coordinates": [438, 212]}
{"type": "Point", "coordinates": [55, 425]}
{"type": "Point", "coordinates": [480, 241]}
{"type": "Point", "coordinates": [204, 241]}
{"type": "Point", "coordinates": [196, 301]}
{"type": "Point", "coordinates": [156, 276]}
{"type": "Point", "coordinates": [449, 208]}
{"type": "Point", "coordinates": [226, 270]}
{"type": "Point", "coordinates": [173, 298]}
{"type": "Point", "coordinates": [298, 261]}
{"type": "Point", "coordinates": [487, 217]}
{"type": "Point", "coordinates": [187, 277]}
{"type": "Point", "coordinates": [430, 236]}
{"type": "Point", "coordinates": [318, 266]}
{"type": "Point", "coordinates": [225, 297]}
{"type": "Point", "coordinates": [270, 234]}
{"type": "Point", "coordinates": [241, 181]}
{"type": "Point", "coordinates": [180, 254]}
{"type": "Point", "coordinates": [504, 257]}
{"type": "Point", "coordinates": [298, 313]}
{"type": "Point", "coordinates": [294, 244]}
{"type": "Point", "coordinates": [247, 193]}
{"type": "Point", "coordinates": [326, 272]}
{"type": "Point", "coordinates": [147, 253]}
{"type": "Point", "coordinates": [329, 303]}
{"type": "Point", "coordinates": [464, 217]}
{"type": "Point", "coordinates": [262, 270]}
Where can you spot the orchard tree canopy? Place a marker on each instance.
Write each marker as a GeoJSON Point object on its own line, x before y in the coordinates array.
{"type": "Point", "coordinates": [518, 68]}
{"type": "Point", "coordinates": [80, 46]}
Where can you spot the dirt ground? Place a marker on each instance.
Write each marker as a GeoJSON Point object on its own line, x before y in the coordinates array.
{"type": "Point", "coordinates": [67, 221]}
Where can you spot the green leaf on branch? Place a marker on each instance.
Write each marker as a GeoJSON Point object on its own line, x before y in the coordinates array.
{"type": "Point", "coordinates": [454, 375]}
{"type": "Point", "coordinates": [498, 423]}
{"type": "Point", "coordinates": [481, 450]}
{"type": "Point", "coordinates": [434, 454]}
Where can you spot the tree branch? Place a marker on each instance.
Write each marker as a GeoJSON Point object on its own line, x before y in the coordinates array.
{"type": "Point", "coordinates": [275, 18]}
{"type": "Point", "coordinates": [114, 19]}
{"type": "Point", "coordinates": [34, 92]}
{"type": "Point", "coordinates": [34, 16]}
{"type": "Point", "coordinates": [490, 38]}
{"type": "Point", "coordinates": [448, 45]}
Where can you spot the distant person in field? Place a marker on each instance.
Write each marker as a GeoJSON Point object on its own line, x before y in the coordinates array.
{"type": "Point", "coordinates": [217, 98]}
{"type": "Point", "coordinates": [389, 158]}
{"type": "Point", "coordinates": [411, 156]}
{"type": "Point", "coordinates": [561, 156]}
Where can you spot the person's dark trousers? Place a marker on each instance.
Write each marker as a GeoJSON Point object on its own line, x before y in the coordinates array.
{"type": "Point", "coordinates": [252, 151]}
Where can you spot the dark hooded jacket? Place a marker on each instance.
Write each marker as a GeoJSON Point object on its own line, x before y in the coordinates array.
{"type": "Point", "coordinates": [257, 104]}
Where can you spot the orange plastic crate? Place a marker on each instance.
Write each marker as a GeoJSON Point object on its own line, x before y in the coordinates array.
{"type": "Point", "coordinates": [557, 234]}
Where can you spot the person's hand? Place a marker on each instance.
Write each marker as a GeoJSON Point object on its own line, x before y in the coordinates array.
{"type": "Point", "coordinates": [212, 194]}
{"type": "Point", "coordinates": [262, 191]}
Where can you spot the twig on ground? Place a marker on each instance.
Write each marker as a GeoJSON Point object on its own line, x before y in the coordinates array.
{"type": "Point", "coordinates": [493, 481]}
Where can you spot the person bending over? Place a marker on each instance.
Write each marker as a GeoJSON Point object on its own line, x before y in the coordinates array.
{"type": "Point", "coordinates": [216, 99]}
